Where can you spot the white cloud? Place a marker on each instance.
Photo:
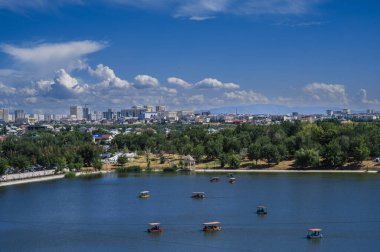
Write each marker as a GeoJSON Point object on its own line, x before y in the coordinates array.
{"type": "Point", "coordinates": [7, 90]}
{"type": "Point", "coordinates": [146, 81]}
{"type": "Point", "coordinates": [197, 10]}
{"type": "Point", "coordinates": [327, 94]}
{"type": "Point", "coordinates": [47, 53]}
{"type": "Point", "coordinates": [64, 86]}
{"type": "Point", "coordinates": [169, 91]}
{"type": "Point", "coordinates": [201, 18]}
{"type": "Point", "coordinates": [35, 4]}
{"type": "Point", "coordinates": [108, 77]}
{"type": "Point", "coordinates": [197, 99]}
{"type": "Point", "coordinates": [200, 10]}
{"type": "Point", "coordinates": [179, 82]}
{"type": "Point", "coordinates": [364, 98]}
{"type": "Point", "coordinates": [246, 97]}
{"type": "Point", "coordinates": [209, 83]}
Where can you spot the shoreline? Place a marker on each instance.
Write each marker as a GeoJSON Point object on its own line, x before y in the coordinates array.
{"type": "Point", "coordinates": [32, 180]}
{"type": "Point", "coordinates": [61, 176]}
{"type": "Point", "coordinates": [285, 171]}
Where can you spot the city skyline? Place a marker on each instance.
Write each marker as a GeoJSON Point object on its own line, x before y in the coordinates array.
{"type": "Point", "coordinates": [301, 55]}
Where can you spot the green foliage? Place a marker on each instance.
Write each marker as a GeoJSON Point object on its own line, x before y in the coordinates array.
{"type": "Point", "coordinates": [361, 151]}
{"type": "Point", "coordinates": [270, 153]}
{"type": "Point", "coordinates": [170, 169]}
{"type": "Point", "coordinates": [333, 155]}
{"type": "Point", "coordinates": [198, 153]}
{"type": "Point", "coordinates": [254, 152]}
{"type": "Point", "coordinates": [134, 168]}
{"type": "Point", "coordinates": [70, 175]}
{"type": "Point", "coordinates": [122, 160]}
{"type": "Point", "coordinates": [3, 165]}
{"type": "Point", "coordinates": [307, 158]}
{"type": "Point", "coordinates": [90, 175]}
{"type": "Point", "coordinates": [234, 161]}
{"type": "Point", "coordinates": [162, 159]}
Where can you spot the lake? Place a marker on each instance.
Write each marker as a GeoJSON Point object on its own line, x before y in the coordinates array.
{"type": "Point", "coordinates": [106, 214]}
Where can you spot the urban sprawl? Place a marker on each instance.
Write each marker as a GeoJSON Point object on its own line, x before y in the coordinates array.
{"type": "Point", "coordinates": [159, 114]}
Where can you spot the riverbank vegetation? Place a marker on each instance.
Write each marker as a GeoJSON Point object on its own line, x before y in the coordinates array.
{"type": "Point", "coordinates": [321, 145]}
{"type": "Point", "coordinates": [68, 149]}
{"type": "Point", "coordinates": [324, 144]}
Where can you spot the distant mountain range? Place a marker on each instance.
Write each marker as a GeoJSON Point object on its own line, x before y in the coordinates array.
{"type": "Point", "coordinates": [269, 109]}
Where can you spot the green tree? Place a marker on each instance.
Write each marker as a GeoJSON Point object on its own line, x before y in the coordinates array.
{"type": "Point", "coordinates": [307, 158]}
{"type": "Point", "coordinates": [270, 153]}
{"type": "Point", "coordinates": [223, 158]}
{"type": "Point", "coordinates": [122, 160]}
{"type": "Point", "coordinates": [361, 151]}
{"type": "Point", "coordinates": [254, 152]}
{"type": "Point", "coordinates": [333, 155]}
{"type": "Point", "coordinates": [20, 162]}
{"type": "Point", "coordinates": [234, 160]}
{"type": "Point", "coordinates": [3, 165]}
{"type": "Point", "coordinates": [198, 152]}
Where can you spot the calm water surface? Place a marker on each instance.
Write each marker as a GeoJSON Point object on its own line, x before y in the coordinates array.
{"type": "Point", "coordinates": [106, 214]}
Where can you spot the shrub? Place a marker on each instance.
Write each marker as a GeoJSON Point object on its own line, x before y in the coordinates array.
{"type": "Point", "coordinates": [170, 169]}
{"type": "Point", "coordinates": [134, 168]}
{"type": "Point", "coordinates": [70, 175]}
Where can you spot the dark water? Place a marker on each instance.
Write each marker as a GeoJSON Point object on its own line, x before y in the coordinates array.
{"type": "Point", "coordinates": [106, 214]}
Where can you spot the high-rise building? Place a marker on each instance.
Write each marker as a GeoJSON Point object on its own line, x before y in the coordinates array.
{"type": "Point", "coordinates": [76, 112]}
{"type": "Point", "coordinates": [86, 114]}
{"type": "Point", "coordinates": [110, 114]}
{"type": "Point", "coordinates": [160, 108]}
{"type": "Point", "coordinates": [148, 108]}
{"type": "Point", "coordinates": [20, 116]}
{"type": "Point", "coordinates": [4, 114]}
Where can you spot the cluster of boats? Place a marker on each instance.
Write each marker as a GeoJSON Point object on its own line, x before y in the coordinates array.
{"type": "Point", "coordinates": [312, 233]}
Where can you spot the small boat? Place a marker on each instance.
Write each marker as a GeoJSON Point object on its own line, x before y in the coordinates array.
{"type": "Point", "coordinates": [211, 226]}
{"type": "Point", "coordinates": [232, 181]}
{"type": "Point", "coordinates": [314, 233]}
{"type": "Point", "coordinates": [214, 179]}
{"type": "Point", "coordinates": [261, 210]}
{"type": "Point", "coordinates": [198, 195]}
{"type": "Point", "coordinates": [144, 194]}
{"type": "Point", "coordinates": [155, 228]}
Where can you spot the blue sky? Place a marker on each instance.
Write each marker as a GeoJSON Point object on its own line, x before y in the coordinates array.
{"type": "Point", "coordinates": [189, 54]}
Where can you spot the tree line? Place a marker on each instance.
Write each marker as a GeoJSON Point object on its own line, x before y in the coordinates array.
{"type": "Point", "coordinates": [51, 150]}
{"type": "Point", "coordinates": [328, 144]}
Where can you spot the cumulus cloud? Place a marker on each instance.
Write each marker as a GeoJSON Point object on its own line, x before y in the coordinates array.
{"type": "Point", "coordinates": [327, 94]}
{"type": "Point", "coordinates": [146, 81]}
{"type": "Point", "coordinates": [246, 97]}
{"type": "Point", "coordinates": [47, 53]}
{"type": "Point", "coordinates": [179, 82]}
{"type": "Point", "coordinates": [108, 77]}
{"type": "Point", "coordinates": [210, 83]}
{"type": "Point", "coordinates": [64, 86]}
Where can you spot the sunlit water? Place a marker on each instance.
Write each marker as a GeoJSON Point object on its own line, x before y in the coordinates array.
{"type": "Point", "coordinates": [107, 215]}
